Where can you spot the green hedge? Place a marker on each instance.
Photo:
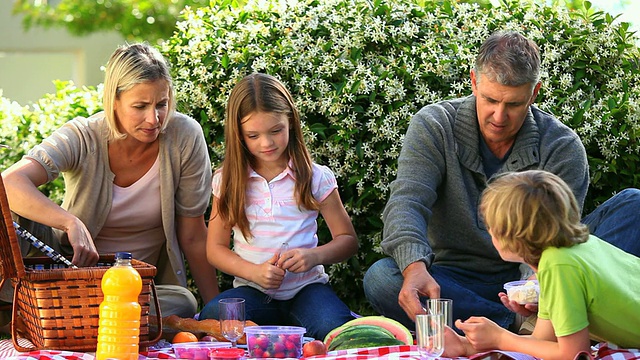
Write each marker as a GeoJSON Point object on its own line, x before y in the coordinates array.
{"type": "Point", "coordinates": [359, 69]}
{"type": "Point", "coordinates": [23, 127]}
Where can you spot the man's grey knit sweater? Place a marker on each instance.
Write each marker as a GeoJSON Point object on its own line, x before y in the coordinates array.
{"type": "Point", "coordinates": [432, 213]}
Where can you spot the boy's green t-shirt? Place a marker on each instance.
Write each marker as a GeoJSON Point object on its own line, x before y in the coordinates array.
{"type": "Point", "coordinates": [595, 285]}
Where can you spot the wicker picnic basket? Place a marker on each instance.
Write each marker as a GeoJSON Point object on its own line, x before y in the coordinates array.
{"type": "Point", "coordinates": [57, 308]}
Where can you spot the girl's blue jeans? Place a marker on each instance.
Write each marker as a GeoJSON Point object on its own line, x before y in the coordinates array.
{"type": "Point", "coordinates": [616, 221]}
{"type": "Point", "coordinates": [316, 307]}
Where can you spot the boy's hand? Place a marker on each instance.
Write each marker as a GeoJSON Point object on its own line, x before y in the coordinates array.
{"type": "Point", "coordinates": [482, 333]}
{"type": "Point", "coordinates": [456, 345]}
{"type": "Point", "coordinates": [524, 310]}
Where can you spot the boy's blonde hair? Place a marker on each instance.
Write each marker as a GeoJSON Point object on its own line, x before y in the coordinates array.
{"type": "Point", "coordinates": [128, 66]}
{"type": "Point", "coordinates": [531, 210]}
{"type": "Point", "coordinates": [259, 92]}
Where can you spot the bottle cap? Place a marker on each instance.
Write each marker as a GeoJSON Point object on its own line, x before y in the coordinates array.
{"type": "Point", "coordinates": [123, 255]}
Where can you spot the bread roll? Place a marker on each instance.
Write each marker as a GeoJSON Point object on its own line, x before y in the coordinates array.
{"type": "Point", "coordinates": [199, 327]}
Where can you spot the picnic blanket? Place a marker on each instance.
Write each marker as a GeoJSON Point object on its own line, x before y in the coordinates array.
{"type": "Point", "coordinates": [602, 351]}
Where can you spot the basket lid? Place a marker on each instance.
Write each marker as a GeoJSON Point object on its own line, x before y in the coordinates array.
{"type": "Point", "coordinates": [11, 263]}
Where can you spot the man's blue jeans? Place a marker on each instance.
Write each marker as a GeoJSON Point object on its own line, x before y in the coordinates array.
{"type": "Point", "coordinates": [316, 307]}
{"type": "Point", "coordinates": [616, 221]}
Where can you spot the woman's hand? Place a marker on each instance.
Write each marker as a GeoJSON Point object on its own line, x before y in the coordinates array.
{"type": "Point", "coordinates": [84, 250]}
{"type": "Point", "coordinates": [21, 182]}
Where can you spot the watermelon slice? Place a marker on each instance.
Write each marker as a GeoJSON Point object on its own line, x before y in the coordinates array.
{"type": "Point", "coordinates": [398, 330]}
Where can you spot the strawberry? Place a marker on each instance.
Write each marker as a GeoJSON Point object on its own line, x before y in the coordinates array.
{"type": "Point", "coordinates": [257, 352]}
{"type": "Point", "coordinates": [290, 345]}
{"type": "Point", "coordinates": [262, 341]}
{"type": "Point", "coordinates": [278, 346]}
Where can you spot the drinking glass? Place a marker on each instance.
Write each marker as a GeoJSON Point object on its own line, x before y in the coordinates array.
{"type": "Point", "coordinates": [440, 306]}
{"type": "Point", "coordinates": [231, 314]}
{"type": "Point", "coordinates": [430, 334]}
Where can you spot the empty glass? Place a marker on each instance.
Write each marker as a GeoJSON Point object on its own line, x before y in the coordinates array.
{"type": "Point", "coordinates": [440, 306]}
{"type": "Point", "coordinates": [231, 314]}
{"type": "Point", "coordinates": [430, 334]}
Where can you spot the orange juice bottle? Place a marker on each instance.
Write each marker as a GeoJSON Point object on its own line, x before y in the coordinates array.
{"type": "Point", "coordinates": [119, 324]}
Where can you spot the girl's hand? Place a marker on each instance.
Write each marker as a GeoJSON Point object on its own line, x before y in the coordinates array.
{"type": "Point", "coordinates": [524, 310]}
{"type": "Point", "coordinates": [269, 275]}
{"type": "Point", "coordinates": [298, 260]}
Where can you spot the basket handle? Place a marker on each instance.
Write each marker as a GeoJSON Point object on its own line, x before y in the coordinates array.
{"type": "Point", "coordinates": [15, 320]}
{"type": "Point", "coordinates": [158, 315]}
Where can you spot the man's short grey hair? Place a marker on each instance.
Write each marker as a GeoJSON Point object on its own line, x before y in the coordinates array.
{"type": "Point", "coordinates": [510, 59]}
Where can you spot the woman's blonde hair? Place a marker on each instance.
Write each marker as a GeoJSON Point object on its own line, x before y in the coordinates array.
{"type": "Point", "coordinates": [259, 93]}
{"type": "Point", "coordinates": [129, 65]}
{"type": "Point", "coordinates": [531, 210]}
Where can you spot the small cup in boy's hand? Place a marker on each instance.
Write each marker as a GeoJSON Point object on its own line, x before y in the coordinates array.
{"type": "Point", "coordinates": [523, 291]}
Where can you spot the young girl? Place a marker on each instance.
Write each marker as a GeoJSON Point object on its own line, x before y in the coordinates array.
{"type": "Point", "coordinates": [266, 196]}
{"type": "Point", "coordinates": [588, 287]}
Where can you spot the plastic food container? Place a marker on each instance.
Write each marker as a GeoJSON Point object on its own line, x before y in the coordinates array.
{"type": "Point", "coordinates": [274, 341]}
{"type": "Point", "coordinates": [523, 291]}
{"type": "Point", "coordinates": [227, 354]}
{"type": "Point", "coordinates": [197, 350]}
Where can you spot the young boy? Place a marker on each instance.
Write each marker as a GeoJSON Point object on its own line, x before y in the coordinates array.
{"type": "Point", "coordinates": [588, 287]}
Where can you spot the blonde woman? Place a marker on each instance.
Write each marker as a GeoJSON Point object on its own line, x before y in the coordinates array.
{"type": "Point", "coordinates": [136, 178]}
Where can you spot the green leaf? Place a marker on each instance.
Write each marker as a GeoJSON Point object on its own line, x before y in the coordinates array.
{"type": "Point", "coordinates": [225, 61]}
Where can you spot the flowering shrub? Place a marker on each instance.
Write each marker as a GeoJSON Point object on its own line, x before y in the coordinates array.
{"type": "Point", "coordinates": [23, 127]}
{"type": "Point", "coordinates": [359, 69]}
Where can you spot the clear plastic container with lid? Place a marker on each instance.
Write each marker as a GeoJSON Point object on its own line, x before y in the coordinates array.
{"type": "Point", "coordinates": [523, 291]}
{"type": "Point", "coordinates": [274, 341]}
{"type": "Point", "coordinates": [119, 324]}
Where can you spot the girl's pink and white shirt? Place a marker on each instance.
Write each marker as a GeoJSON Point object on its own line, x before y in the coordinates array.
{"type": "Point", "coordinates": [275, 218]}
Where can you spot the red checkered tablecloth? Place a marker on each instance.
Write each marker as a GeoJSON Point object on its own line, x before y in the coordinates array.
{"type": "Point", "coordinates": [602, 351]}
{"type": "Point", "coordinates": [606, 351]}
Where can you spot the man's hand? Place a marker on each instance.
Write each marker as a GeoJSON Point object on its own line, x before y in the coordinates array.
{"type": "Point", "coordinates": [417, 282]}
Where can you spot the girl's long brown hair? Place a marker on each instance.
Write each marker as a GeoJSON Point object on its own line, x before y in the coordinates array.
{"type": "Point", "coordinates": [259, 93]}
